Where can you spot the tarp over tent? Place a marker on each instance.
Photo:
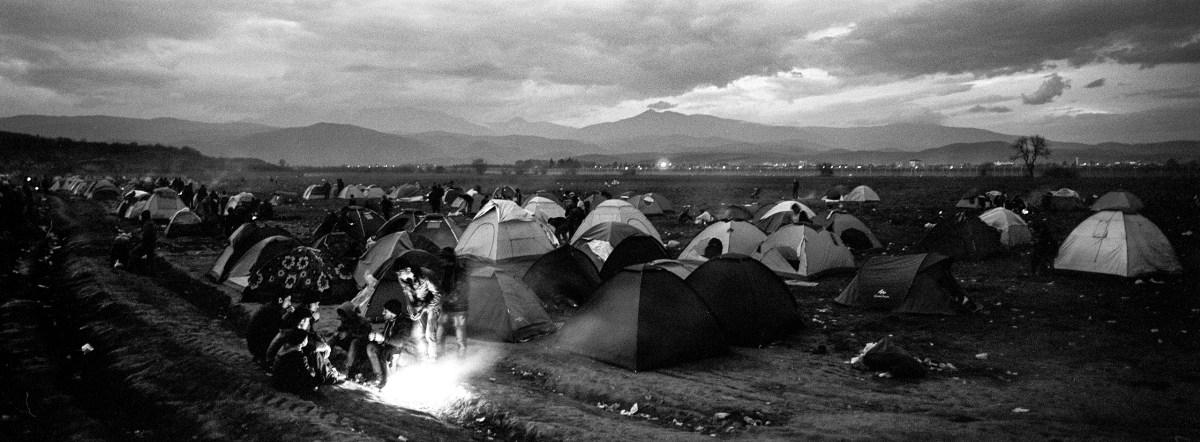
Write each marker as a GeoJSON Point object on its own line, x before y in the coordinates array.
{"type": "Point", "coordinates": [1118, 200]}
{"type": "Point", "coordinates": [643, 318]}
{"type": "Point", "coordinates": [751, 304]}
{"type": "Point", "coordinates": [633, 250]}
{"type": "Point", "coordinates": [302, 272]}
{"type": "Point", "coordinates": [616, 210]}
{"type": "Point", "coordinates": [1013, 230]}
{"type": "Point", "coordinates": [1117, 243]}
{"type": "Point", "coordinates": [439, 230]}
{"type": "Point", "coordinates": [919, 283]}
{"type": "Point", "coordinates": [965, 237]}
{"type": "Point", "coordinates": [563, 274]}
{"type": "Point", "coordinates": [502, 308]}
{"type": "Point", "coordinates": [256, 256]}
{"type": "Point", "coordinates": [861, 193]}
{"type": "Point", "coordinates": [797, 251]}
{"type": "Point", "coordinates": [848, 229]}
{"type": "Point", "coordinates": [739, 237]}
{"type": "Point", "coordinates": [505, 231]}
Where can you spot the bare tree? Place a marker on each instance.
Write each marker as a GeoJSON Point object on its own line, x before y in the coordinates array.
{"type": "Point", "coordinates": [1029, 149]}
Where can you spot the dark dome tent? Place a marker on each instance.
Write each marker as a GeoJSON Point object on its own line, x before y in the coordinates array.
{"type": "Point", "coordinates": [919, 283]}
{"type": "Point", "coordinates": [733, 212]}
{"type": "Point", "coordinates": [502, 308]}
{"type": "Point", "coordinates": [965, 237]}
{"type": "Point", "coordinates": [835, 193]}
{"type": "Point", "coordinates": [257, 256]}
{"type": "Point", "coordinates": [565, 274]}
{"type": "Point", "coordinates": [631, 251]}
{"type": "Point", "coordinates": [405, 220]}
{"type": "Point", "coordinates": [185, 223]}
{"type": "Point", "coordinates": [359, 223]}
{"type": "Point", "coordinates": [644, 318]}
{"type": "Point", "coordinates": [1118, 200]}
{"type": "Point", "coordinates": [599, 240]}
{"type": "Point", "coordinates": [301, 272]}
{"type": "Point", "coordinates": [440, 230]}
{"type": "Point", "coordinates": [752, 305]}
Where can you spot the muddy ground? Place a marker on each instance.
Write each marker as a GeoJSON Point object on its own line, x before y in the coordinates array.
{"type": "Point", "coordinates": [1068, 357]}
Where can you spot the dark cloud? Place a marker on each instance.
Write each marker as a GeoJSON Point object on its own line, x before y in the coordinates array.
{"type": "Point", "coordinates": [1183, 93]}
{"type": "Point", "coordinates": [1094, 84]}
{"type": "Point", "coordinates": [1166, 123]}
{"type": "Point", "coordinates": [996, 37]}
{"type": "Point", "coordinates": [481, 71]}
{"type": "Point", "coordinates": [981, 109]}
{"type": "Point", "coordinates": [1052, 87]}
{"type": "Point", "coordinates": [661, 105]}
{"type": "Point", "coordinates": [87, 21]}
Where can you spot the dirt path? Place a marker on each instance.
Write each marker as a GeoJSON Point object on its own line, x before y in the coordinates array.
{"type": "Point", "coordinates": [170, 360]}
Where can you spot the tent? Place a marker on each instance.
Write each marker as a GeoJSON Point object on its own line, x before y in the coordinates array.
{"type": "Point", "coordinates": [973, 200]}
{"type": "Point", "coordinates": [281, 197]}
{"type": "Point", "coordinates": [379, 251]}
{"type": "Point", "coordinates": [185, 223]}
{"type": "Point", "coordinates": [835, 193]}
{"type": "Point", "coordinates": [751, 304]}
{"type": "Point", "coordinates": [919, 283]}
{"type": "Point", "coordinates": [358, 222]}
{"type": "Point", "coordinates": [739, 237]}
{"type": "Point", "coordinates": [104, 190]}
{"type": "Point", "coordinates": [239, 200]}
{"type": "Point", "coordinates": [1117, 243]}
{"type": "Point", "coordinates": [616, 210]}
{"type": "Point", "coordinates": [504, 193]}
{"type": "Point", "coordinates": [405, 220]}
{"type": "Point", "coordinates": [680, 268]}
{"type": "Point", "coordinates": [128, 199]}
{"type": "Point", "coordinates": [544, 208]}
{"type": "Point", "coordinates": [470, 201]}
{"type": "Point", "coordinates": [599, 240]}
{"type": "Point", "coordinates": [244, 237]}
{"type": "Point", "coordinates": [645, 317]}
{"type": "Point", "coordinates": [861, 193]}
{"type": "Point", "coordinates": [1063, 200]}
{"type": "Point", "coordinates": [407, 193]}
{"type": "Point", "coordinates": [1013, 230]}
{"type": "Point", "coordinates": [733, 212]}
{"type": "Point", "coordinates": [502, 308]}
{"type": "Point", "coordinates": [646, 204]}
{"type": "Point", "coordinates": [440, 230]}
{"type": "Point", "coordinates": [256, 256]}
{"type": "Point", "coordinates": [782, 214]}
{"type": "Point", "coordinates": [351, 190]}
{"type": "Point", "coordinates": [1118, 200]}
{"type": "Point", "coordinates": [632, 251]}
{"type": "Point", "coordinates": [547, 195]}
{"type": "Point", "coordinates": [389, 286]}
{"type": "Point", "coordinates": [798, 251]}
{"type": "Point", "coordinates": [848, 229]}
{"type": "Point", "coordinates": [563, 274]}
{"type": "Point", "coordinates": [504, 231]}
{"type": "Point", "coordinates": [964, 237]}
{"type": "Point", "coordinates": [374, 192]}
{"type": "Point", "coordinates": [661, 201]}
{"type": "Point", "coordinates": [162, 204]}
{"type": "Point", "coordinates": [315, 192]}
{"type": "Point", "coordinates": [302, 272]}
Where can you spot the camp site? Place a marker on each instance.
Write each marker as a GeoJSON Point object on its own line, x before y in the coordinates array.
{"type": "Point", "coordinates": [634, 328]}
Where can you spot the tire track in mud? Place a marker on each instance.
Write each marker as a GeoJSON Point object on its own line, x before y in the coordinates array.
{"type": "Point", "coordinates": [160, 352]}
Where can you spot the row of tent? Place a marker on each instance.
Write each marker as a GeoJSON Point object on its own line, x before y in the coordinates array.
{"type": "Point", "coordinates": [101, 189]}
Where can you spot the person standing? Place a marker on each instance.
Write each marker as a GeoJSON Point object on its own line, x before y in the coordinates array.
{"type": "Point", "coordinates": [795, 188]}
{"type": "Point", "coordinates": [436, 193]}
{"type": "Point", "coordinates": [142, 255]}
{"type": "Point", "coordinates": [385, 207]}
{"type": "Point", "coordinates": [454, 303]}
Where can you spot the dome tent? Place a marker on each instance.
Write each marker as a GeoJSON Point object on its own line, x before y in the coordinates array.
{"type": "Point", "coordinates": [1013, 230]}
{"type": "Point", "coordinates": [544, 208]}
{"type": "Point", "coordinates": [616, 210]}
{"type": "Point", "coordinates": [241, 240]}
{"type": "Point", "coordinates": [303, 271]}
{"type": "Point", "coordinates": [599, 241]}
{"type": "Point", "coordinates": [378, 252]}
{"type": "Point", "coordinates": [632, 251]}
{"type": "Point", "coordinates": [645, 317]}
{"type": "Point", "coordinates": [848, 229]}
{"type": "Point", "coordinates": [781, 214]}
{"type": "Point", "coordinates": [861, 193]}
{"type": "Point", "coordinates": [1117, 243]}
{"type": "Point", "coordinates": [797, 251]}
{"type": "Point", "coordinates": [185, 223]}
{"type": "Point", "coordinates": [255, 257]}
{"type": "Point", "coordinates": [389, 287]}
{"type": "Point", "coordinates": [563, 274]}
{"type": "Point", "coordinates": [1118, 200]}
{"type": "Point", "coordinates": [440, 230]}
{"type": "Point", "coordinates": [919, 283]}
{"type": "Point", "coordinates": [963, 237]}
{"type": "Point", "coordinates": [503, 308]}
{"type": "Point", "coordinates": [739, 237]}
{"type": "Point", "coordinates": [504, 231]}
{"type": "Point", "coordinates": [751, 304]}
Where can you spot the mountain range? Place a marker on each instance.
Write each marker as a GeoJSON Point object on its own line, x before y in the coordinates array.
{"type": "Point", "coordinates": [411, 136]}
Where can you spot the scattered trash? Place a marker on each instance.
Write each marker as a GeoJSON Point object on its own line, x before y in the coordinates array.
{"type": "Point", "coordinates": [1020, 410]}
{"type": "Point", "coordinates": [87, 348]}
{"type": "Point", "coordinates": [981, 356]}
{"type": "Point", "coordinates": [632, 410]}
{"type": "Point", "coordinates": [721, 415]}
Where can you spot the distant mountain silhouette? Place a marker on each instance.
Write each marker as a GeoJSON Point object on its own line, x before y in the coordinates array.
{"type": "Point", "coordinates": [649, 135]}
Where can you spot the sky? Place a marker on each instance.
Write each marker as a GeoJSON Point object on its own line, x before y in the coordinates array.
{"type": "Point", "coordinates": [1072, 70]}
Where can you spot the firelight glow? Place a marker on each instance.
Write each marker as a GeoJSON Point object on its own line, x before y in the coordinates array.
{"type": "Point", "coordinates": [436, 387]}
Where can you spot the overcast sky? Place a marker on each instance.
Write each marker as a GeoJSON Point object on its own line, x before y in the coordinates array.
{"type": "Point", "coordinates": [1086, 70]}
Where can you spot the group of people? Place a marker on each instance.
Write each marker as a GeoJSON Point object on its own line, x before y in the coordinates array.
{"type": "Point", "coordinates": [283, 340]}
